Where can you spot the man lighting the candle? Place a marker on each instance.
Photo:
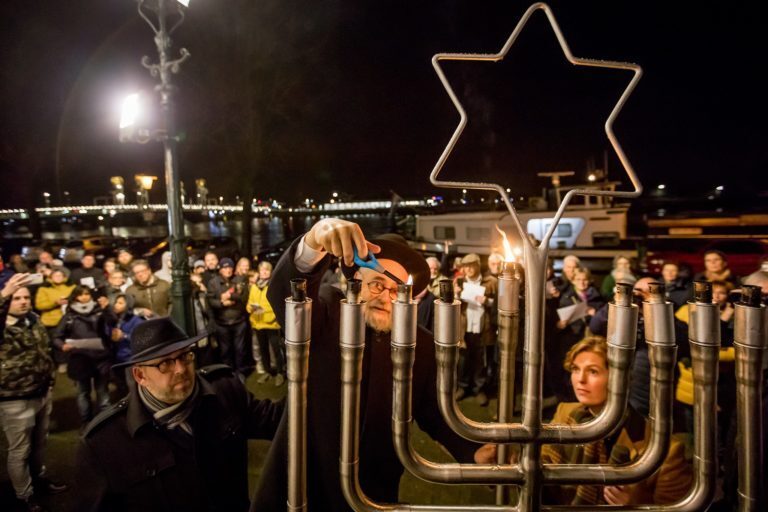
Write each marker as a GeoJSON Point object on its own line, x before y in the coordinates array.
{"type": "Point", "coordinates": [380, 469]}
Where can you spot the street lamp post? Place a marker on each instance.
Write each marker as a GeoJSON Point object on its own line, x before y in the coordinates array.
{"type": "Point", "coordinates": [180, 286]}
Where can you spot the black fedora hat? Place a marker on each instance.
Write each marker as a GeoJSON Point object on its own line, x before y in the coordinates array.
{"type": "Point", "coordinates": [157, 337]}
{"type": "Point", "coordinates": [395, 247]}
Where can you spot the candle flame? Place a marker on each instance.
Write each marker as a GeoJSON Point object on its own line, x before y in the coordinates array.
{"type": "Point", "coordinates": [410, 280]}
{"type": "Point", "coordinates": [509, 253]}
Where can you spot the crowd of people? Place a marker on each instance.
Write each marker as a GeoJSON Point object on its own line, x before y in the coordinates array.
{"type": "Point", "coordinates": [81, 322]}
{"type": "Point", "coordinates": [107, 327]}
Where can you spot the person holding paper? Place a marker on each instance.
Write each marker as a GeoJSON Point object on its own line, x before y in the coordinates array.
{"type": "Point", "coordinates": [79, 335]}
{"type": "Point", "coordinates": [88, 274]}
{"type": "Point", "coordinates": [478, 296]}
{"type": "Point", "coordinates": [577, 306]}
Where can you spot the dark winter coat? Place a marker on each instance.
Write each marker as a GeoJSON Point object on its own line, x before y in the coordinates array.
{"type": "Point", "coordinates": [96, 273]}
{"type": "Point", "coordinates": [380, 469]}
{"type": "Point", "coordinates": [228, 315]}
{"type": "Point", "coordinates": [678, 292]}
{"type": "Point", "coordinates": [575, 330]}
{"type": "Point", "coordinates": [83, 363]}
{"type": "Point", "coordinates": [127, 463]}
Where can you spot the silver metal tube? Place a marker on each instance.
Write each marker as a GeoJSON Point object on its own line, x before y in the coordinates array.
{"type": "Point", "coordinates": [622, 332]}
{"type": "Point", "coordinates": [533, 373]}
{"type": "Point", "coordinates": [403, 355]}
{"type": "Point", "coordinates": [704, 353]}
{"type": "Point", "coordinates": [660, 336]}
{"type": "Point", "coordinates": [298, 329]}
{"type": "Point", "coordinates": [662, 358]}
{"type": "Point", "coordinates": [750, 342]}
{"type": "Point", "coordinates": [352, 345]}
{"type": "Point", "coordinates": [508, 301]}
{"type": "Point", "coordinates": [622, 338]}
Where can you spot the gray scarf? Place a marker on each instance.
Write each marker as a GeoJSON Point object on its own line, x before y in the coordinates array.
{"type": "Point", "coordinates": [83, 308]}
{"type": "Point", "coordinates": [171, 415]}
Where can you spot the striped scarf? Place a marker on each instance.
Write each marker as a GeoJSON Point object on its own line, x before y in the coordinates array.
{"type": "Point", "coordinates": [174, 415]}
{"type": "Point", "coordinates": [590, 453]}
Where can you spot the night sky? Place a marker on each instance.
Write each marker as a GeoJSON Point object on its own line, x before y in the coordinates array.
{"type": "Point", "coordinates": [298, 98]}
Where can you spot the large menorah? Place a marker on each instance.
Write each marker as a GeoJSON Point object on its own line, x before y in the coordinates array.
{"type": "Point", "coordinates": [529, 472]}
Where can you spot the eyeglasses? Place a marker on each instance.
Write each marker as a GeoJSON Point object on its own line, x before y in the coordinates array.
{"type": "Point", "coordinates": [377, 288]}
{"type": "Point", "coordinates": [167, 365]}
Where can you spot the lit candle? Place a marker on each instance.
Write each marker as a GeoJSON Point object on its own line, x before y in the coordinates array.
{"type": "Point", "coordinates": [405, 291]}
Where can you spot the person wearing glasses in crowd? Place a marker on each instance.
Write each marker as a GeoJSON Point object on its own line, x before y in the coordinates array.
{"type": "Point", "coordinates": [178, 441]}
{"type": "Point", "coordinates": [380, 470]}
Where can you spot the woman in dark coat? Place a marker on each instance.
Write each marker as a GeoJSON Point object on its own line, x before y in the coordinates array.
{"type": "Point", "coordinates": [88, 367]}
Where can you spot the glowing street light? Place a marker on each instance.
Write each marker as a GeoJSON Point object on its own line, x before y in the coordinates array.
{"type": "Point", "coordinates": [130, 111]}
{"type": "Point", "coordinates": [164, 69]}
{"type": "Point", "coordinates": [145, 182]}
{"type": "Point", "coordinates": [661, 186]}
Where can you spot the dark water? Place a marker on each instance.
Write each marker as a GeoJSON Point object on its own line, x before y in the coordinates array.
{"type": "Point", "coordinates": [267, 231]}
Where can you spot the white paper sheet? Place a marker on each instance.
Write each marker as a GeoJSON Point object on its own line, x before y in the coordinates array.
{"type": "Point", "coordinates": [88, 282]}
{"type": "Point", "coordinates": [572, 313]}
{"type": "Point", "coordinates": [86, 343]}
{"type": "Point", "coordinates": [469, 291]}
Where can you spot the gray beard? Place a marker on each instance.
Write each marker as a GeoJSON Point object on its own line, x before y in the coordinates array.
{"type": "Point", "coordinates": [377, 325]}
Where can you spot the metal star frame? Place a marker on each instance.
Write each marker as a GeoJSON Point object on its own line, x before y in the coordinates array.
{"type": "Point", "coordinates": [636, 69]}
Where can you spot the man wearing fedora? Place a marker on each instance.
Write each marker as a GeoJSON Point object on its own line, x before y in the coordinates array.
{"type": "Point", "coordinates": [178, 441]}
{"type": "Point", "coordinates": [380, 469]}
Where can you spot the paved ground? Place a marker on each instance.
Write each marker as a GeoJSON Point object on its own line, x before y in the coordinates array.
{"type": "Point", "coordinates": [65, 429]}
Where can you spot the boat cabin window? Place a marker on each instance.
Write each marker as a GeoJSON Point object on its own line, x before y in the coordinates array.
{"type": "Point", "coordinates": [475, 234]}
{"type": "Point", "coordinates": [563, 230]}
{"type": "Point", "coordinates": [444, 233]}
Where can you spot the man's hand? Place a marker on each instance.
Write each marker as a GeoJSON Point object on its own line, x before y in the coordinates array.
{"type": "Point", "coordinates": [145, 312]}
{"type": "Point", "coordinates": [339, 237]}
{"type": "Point", "coordinates": [225, 297]}
{"type": "Point", "coordinates": [480, 299]}
{"type": "Point", "coordinates": [117, 335]}
{"type": "Point", "coordinates": [67, 347]}
{"type": "Point", "coordinates": [616, 494]}
{"type": "Point", "coordinates": [14, 284]}
{"type": "Point", "coordinates": [103, 302]}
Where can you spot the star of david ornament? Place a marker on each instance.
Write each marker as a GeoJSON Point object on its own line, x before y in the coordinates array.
{"type": "Point", "coordinates": [495, 57]}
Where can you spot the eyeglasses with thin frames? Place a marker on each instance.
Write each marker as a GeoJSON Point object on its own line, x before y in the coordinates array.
{"type": "Point", "coordinates": [167, 365]}
{"type": "Point", "coordinates": [377, 288]}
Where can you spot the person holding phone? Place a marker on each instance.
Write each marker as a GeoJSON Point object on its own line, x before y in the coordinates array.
{"type": "Point", "coordinates": [25, 392]}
